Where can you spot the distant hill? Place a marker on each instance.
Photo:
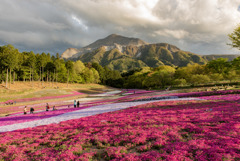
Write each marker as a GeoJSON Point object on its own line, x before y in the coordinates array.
{"type": "Point", "coordinates": [123, 54]}
{"type": "Point", "coordinates": [69, 53]}
{"type": "Point", "coordinates": [213, 57]}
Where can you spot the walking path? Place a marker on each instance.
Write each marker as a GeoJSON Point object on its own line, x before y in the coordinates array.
{"type": "Point", "coordinates": [81, 113]}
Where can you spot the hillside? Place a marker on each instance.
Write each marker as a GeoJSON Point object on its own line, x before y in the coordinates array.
{"type": "Point", "coordinates": [213, 57]}
{"type": "Point", "coordinates": [132, 57]}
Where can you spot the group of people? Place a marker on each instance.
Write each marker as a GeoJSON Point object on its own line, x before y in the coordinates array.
{"type": "Point", "coordinates": [25, 110]}
{"type": "Point", "coordinates": [76, 103]}
{"type": "Point", "coordinates": [48, 107]}
{"type": "Point", "coordinates": [32, 109]}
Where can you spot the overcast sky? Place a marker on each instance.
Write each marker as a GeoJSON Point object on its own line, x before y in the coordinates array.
{"type": "Point", "coordinates": [199, 26]}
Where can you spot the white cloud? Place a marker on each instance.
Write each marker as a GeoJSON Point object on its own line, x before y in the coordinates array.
{"type": "Point", "coordinates": [196, 25]}
{"type": "Point", "coordinates": [79, 23]}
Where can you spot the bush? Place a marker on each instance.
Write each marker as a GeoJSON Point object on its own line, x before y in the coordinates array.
{"type": "Point", "coordinates": [180, 82]}
{"type": "Point", "coordinates": [199, 79]}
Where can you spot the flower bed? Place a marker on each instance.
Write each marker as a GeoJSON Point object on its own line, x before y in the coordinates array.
{"type": "Point", "coordinates": [35, 116]}
{"type": "Point", "coordinates": [177, 130]}
{"type": "Point", "coordinates": [213, 94]}
{"type": "Point", "coordinates": [13, 110]}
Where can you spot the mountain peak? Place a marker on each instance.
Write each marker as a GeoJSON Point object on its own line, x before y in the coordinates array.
{"type": "Point", "coordinates": [113, 39]}
{"type": "Point", "coordinates": [113, 35]}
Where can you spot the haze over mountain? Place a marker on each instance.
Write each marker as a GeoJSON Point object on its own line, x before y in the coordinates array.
{"type": "Point", "coordinates": [123, 54]}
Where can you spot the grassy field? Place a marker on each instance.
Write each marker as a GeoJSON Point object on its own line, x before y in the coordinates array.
{"type": "Point", "coordinates": [28, 93]}
{"type": "Point", "coordinates": [20, 90]}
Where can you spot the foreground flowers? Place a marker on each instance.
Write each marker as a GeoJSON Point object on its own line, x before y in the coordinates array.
{"type": "Point", "coordinates": [176, 130]}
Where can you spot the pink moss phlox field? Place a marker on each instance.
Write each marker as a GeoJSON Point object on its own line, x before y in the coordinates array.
{"type": "Point", "coordinates": [61, 109]}
{"type": "Point", "coordinates": [39, 106]}
{"type": "Point", "coordinates": [181, 95]}
{"type": "Point", "coordinates": [13, 110]}
{"type": "Point", "coordinates": [177, 130]}
{"type": "Point", "coordinates": [36, 116]}
{"type": "Point", "coordinates": [207, 93]}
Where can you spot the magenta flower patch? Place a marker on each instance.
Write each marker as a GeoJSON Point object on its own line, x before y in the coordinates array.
{"type": "Point", "coordinates": [167, 130]}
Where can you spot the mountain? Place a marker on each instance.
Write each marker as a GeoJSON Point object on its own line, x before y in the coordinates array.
{"type": "Point", "coordinates": [123, 54]}
{"type": "Point", "coordinates": [110, 42]}
{"type": "Point", "coordinates": [131, 57]}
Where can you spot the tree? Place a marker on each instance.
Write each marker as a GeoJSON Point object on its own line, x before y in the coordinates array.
{"type": "Point", "coordinates": [220, 65]}
{"type": "Point", "coordinates": [42, 61]}
{"type": "Point", "coordinates": [50, 67]}
{"type": "Point", "coordinates": [180, 82]}
{"type": "Point", "coordinates": [216, 77]}
{"type": "Point", "coordinates": [69, 67]}
{"type": "Point", "coordinates": [58, 63]}
{"type": "Point", "coordinates": [236, 63]}
{"type": "Point", "coordinates": [235, 38]}
{"type": "Point", "coordinates": [160, 77]}
{"type": "Point", "coordinates": [9, 59]}
{"type": "Point", "coordinates": [199, 79]}
{"type": "Point", "coordinates": [101, 71]}
{"type": "Point", "coordinates": [31, 61]}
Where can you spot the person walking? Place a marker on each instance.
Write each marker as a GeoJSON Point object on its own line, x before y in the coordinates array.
{"type": "Point", "coordinates": [25, 110]}
{"type": "Point", "coordinates": [53, 108]}
{"type": "Point", "coordinates": [75, 103]}
{"type": "Point", "coordinates": [78, 103]}
{"type": "Point", "coordinates": [47, 107]}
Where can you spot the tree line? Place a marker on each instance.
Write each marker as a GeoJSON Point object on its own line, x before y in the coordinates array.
{"type": "Point", "coordinates": [28, 66]}
{"type": "Point", "coordinates": [213, 72]}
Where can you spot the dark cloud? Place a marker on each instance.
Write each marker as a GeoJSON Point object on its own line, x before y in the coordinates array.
{"type": "Point", "coordinates": [199, 26]}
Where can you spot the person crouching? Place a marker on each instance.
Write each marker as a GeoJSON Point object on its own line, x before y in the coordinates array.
{"type": "Point", "coordinates": [31, 110]}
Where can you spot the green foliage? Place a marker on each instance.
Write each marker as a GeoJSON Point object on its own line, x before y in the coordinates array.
{"type": "Point", "coordinates": [180, 82]}
{"type": "Point", "coordinates": [8, 56]}
{"type": "Point", "coordinates": [236, 63]}
{"type": "Point", "coordinates": [216, 77]}
{"type": "Point", "coordinates": [199, 79]}
{"type": "Point", "coordinates": [160, 77]}
{"type": "Point", "coordinates": [126, 64]}
{"type": "Point", "coordinates": [220, 65]}
{"type": "Point", "coordinates": [46, 67]}
{"type": "Point", "coordinates": [137, 73]}
{"type": "Point", "coordinates": [69, 65]}
{"type": "Point", "coordinates": [136, 79]}
{"type": "Point", "coordinates": [235, 38]}
{"type": "Point", "coordinates": [231, 75]}
{"type": "Point", "coordinates": [78, 67]}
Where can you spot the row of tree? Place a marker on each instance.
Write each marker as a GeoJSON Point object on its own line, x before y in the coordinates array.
{"type": "Point", "coordinates": [193, 74]}
{"type": "Point", "coordinates": [27, 66]}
